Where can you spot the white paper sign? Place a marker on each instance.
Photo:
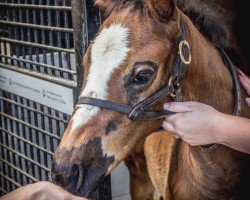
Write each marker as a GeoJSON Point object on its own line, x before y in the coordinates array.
{"type": "Point", "coordinates": [50, 94]}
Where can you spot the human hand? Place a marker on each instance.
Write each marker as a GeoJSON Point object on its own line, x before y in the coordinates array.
{"type": "Point", "coordinates": [245, 82]}
{"type": "Point", "coordinates": [40, 191]}
{"type": "Point", "coordinates": [50, 191]}
{"type": "Point", "coordinates": [195, 123]}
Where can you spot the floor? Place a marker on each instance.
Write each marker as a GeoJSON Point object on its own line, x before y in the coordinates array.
{"type": "Point", "coordinates": [120, 183]}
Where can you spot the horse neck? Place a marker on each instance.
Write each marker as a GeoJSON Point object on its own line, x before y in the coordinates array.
{"type": "Point", "coordinates": [207, 80]}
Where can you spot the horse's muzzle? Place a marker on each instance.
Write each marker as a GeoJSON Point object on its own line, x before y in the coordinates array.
{"type": "Point", "coordinates": [80, 170]}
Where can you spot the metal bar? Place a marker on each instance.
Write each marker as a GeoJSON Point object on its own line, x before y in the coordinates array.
{"type": "Point", "coordinates": [36, 45]}
{"type": "Point", "coordinates": [66, 38]}
{"type": "Point", "coordinates": [29, 25]}
{"type": "Point", "coordinates": [10, 180]}
{"type": "Point", "coordinates": [32, 109]}
{"type": "Point", "coordinates": [30, 126]}
{"type": "Point", "coordinates": [57, 80]}
{"type": "Point", "coordinates": [79, 19]}
{"type": "Point", "coordinates": [25, 157]}
{"type": "Point", "coordinates": [58, 37]}
{"type": "Point", "coordinates": [3, 191]}
{"type": "Point", "coordinates": [15, 5]}
{"type": "Point", "coordinates": [27, 16]}
{"type": "Point", "coordinates": [35, 35]}
{"type": "Point", "coordinates": [51, 39]}
{"type": "Point", "coordinates": [20, 171]}
{"type": "Point", "coordinates": [27, 141]}
{"type": "Point", "coordinates": [43, 35]}
{"type": "Point", "coordinates": [15, 36]}
{"type": "Point", "coordinates": [40, 64]}
{"type": "Point", "coordinates": [10, 31]}
{"type": "Point", "coordinates": [21, 31]}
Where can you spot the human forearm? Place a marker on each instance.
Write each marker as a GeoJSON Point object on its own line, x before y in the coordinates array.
{"type": "Point", "coordinates": [234, 132]}
{"type": "Point", "coordinates": [23, 193]}
{"type": "Point", "coordinates": [40, 191]}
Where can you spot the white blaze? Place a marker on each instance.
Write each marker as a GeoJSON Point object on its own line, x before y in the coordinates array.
{"type": "Point", "coordinates": [108, 52]}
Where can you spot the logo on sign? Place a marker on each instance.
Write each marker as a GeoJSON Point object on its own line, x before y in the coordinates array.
{"type": "Point", "coordinates": [44, 93]}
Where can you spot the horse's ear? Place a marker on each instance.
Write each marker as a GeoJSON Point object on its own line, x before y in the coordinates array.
{"type": "Point", "coordinates": [103, 4]}
{"type": "Point", "coordinates": [163, 9]}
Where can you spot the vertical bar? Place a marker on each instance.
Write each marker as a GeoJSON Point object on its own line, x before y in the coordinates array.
{"type": "Point", "coordinates": [58, 40]}
{"type": "Point", "coordinates": [66, 39]}
{"type": "Point", "coordinates": [15, 35]}
{"type": "Point", "coordinates": [79, 17]}
{"type": "Point", "coordinates": [29, 52]}
{"type": "Point", "coordinates": [36, 38]}
{"type": "Point", "coordinates": [41, 15]}
{"type": "Point", "coordinates": [21, 30]}
{"type": "Point", "coordinates": [51, 39]}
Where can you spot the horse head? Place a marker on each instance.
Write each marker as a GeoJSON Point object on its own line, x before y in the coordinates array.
{"type": "Point", "coordinates": [129, 60]}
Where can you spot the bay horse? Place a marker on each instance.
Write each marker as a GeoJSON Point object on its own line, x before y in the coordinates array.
{"type": "Point", "coordinates": [129, 61]}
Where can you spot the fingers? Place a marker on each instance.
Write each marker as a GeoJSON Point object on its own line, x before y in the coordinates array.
{"type": "Point", "coordinates": [178, 107]}
{"type": "Point", "coordinates": [244, 80]}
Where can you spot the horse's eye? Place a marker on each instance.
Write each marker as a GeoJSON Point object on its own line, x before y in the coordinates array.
{"type": "Point", "coordinates": [143, 77]}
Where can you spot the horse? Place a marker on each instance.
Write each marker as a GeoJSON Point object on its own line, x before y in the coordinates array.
{"type": "Point", "coordinates": [147, 53]}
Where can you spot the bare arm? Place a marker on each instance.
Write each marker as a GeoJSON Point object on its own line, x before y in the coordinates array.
{"type": "Point", "coordinates": [40, 191]}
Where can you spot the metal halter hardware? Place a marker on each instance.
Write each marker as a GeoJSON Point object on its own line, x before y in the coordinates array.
{"type": "Point", "coordinates": [186, 61]}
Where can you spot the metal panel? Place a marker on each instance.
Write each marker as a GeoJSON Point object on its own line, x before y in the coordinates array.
{"type": "Point", "coordinates": [36, 39]}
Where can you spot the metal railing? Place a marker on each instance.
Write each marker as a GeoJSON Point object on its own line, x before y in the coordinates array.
{"type": "Point", "coordinates": [46, 40]}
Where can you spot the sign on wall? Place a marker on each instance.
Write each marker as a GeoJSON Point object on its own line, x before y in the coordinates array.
{"type": "Point", "coordinates": [50, 94]}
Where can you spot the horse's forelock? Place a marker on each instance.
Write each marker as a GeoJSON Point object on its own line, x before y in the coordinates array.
{"type": "Point", "coordinates": [109, 5]}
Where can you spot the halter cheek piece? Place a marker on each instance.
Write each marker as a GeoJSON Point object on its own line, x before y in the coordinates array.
{"type": "Point", "coordinates": [183, 58]}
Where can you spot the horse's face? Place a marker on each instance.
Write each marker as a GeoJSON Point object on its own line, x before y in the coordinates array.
{"type": "Point", "coordinates": [125, 63]}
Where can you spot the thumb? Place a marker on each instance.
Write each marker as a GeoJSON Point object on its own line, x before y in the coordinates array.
{"type": "Point", "coordinates": [178, 107]}
{"type": "Point", "coordinates": [168, 127]}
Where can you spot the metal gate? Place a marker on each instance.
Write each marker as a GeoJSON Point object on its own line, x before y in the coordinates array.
{"type": "Point", "coordinates": [37, 48]}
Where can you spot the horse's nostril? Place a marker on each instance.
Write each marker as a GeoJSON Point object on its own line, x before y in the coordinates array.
{"type": "Point", "coordinates": [77, 172]}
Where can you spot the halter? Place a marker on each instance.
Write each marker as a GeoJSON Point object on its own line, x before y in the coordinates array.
{"type": "Point", "coordinates": [140, 111]}
{"type": "Point", "coordinates": [172, 89]}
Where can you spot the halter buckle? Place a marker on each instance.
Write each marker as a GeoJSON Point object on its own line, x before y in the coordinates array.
{"type": "Point", "coordinates": [172, 81]}
{"type": "Point", "coordinates": [182, 44]}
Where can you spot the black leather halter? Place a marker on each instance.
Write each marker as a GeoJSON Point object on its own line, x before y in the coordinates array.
{"type": "Point", "coordinates": [183, 58]}
{"type": "Point", "coordinates": [140, 111]}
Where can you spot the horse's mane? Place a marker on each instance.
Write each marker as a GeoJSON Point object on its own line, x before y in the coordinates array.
{"type": "Point", "coordinates": [206, 17]}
